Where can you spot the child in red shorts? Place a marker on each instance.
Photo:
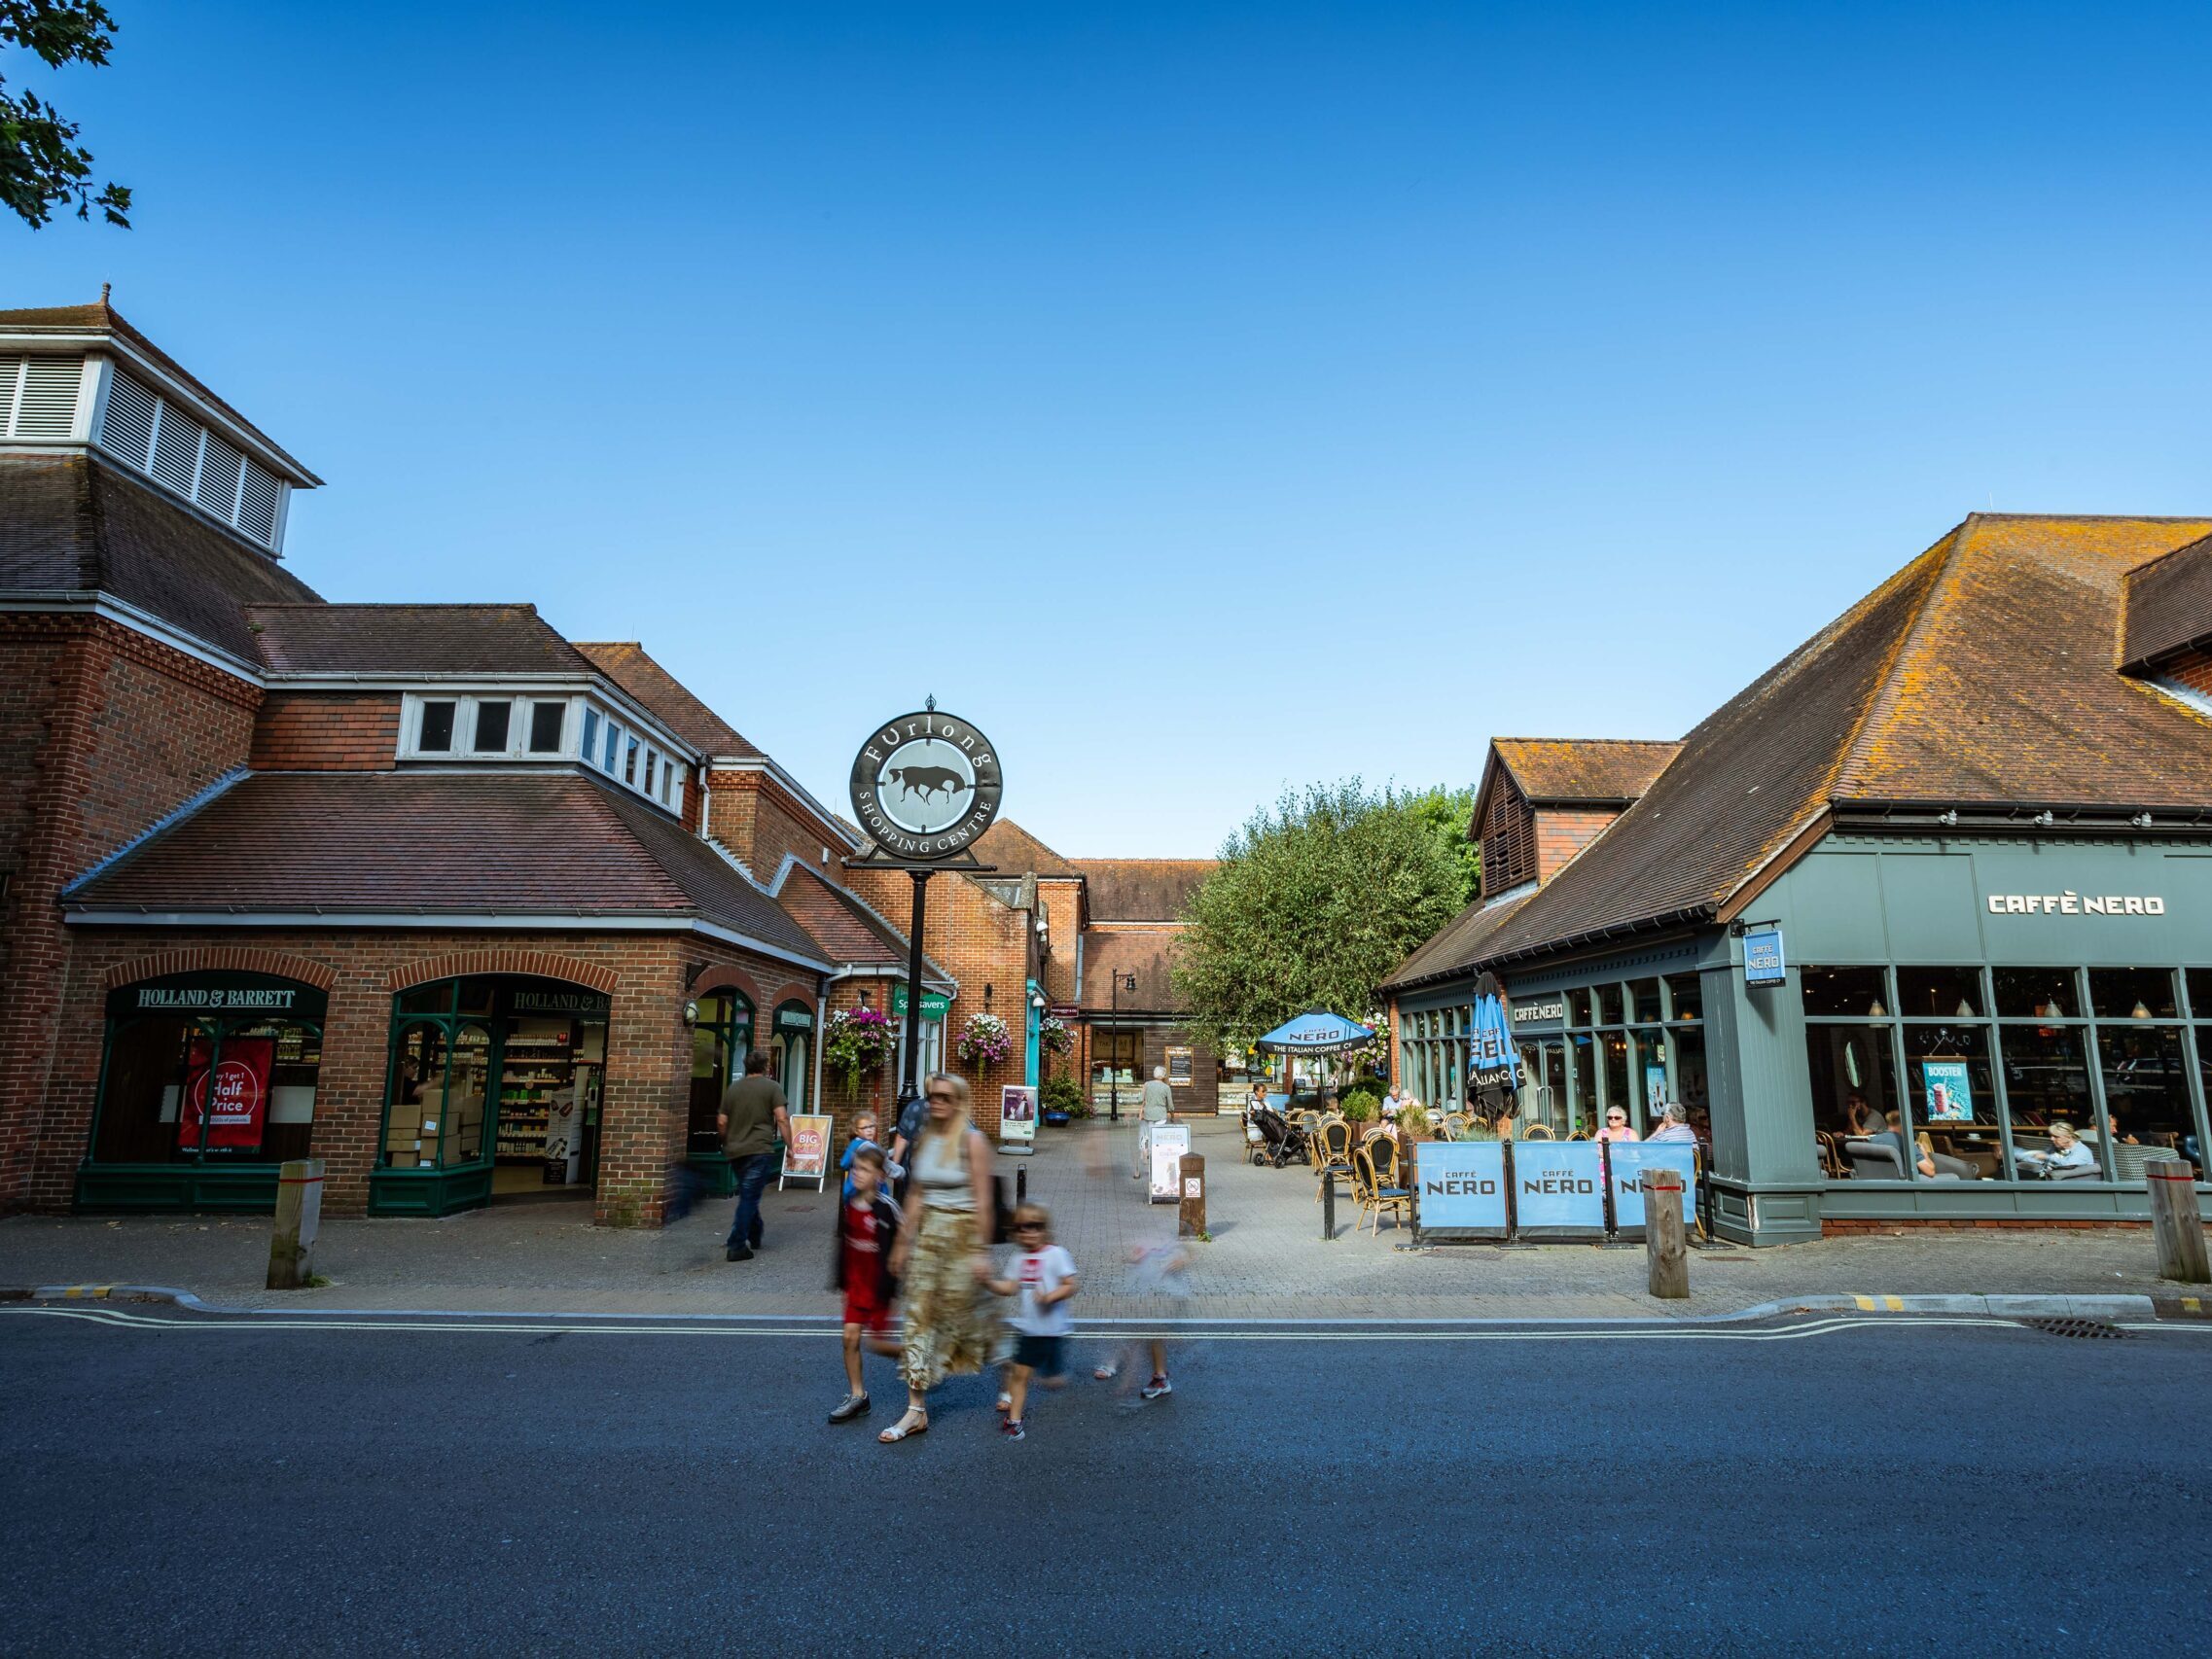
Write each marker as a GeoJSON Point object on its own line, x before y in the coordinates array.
{"type": "Point", "coordinates": [868, 1226]}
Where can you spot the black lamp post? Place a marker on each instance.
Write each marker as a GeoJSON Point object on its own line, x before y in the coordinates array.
{"type": "Point", "coordinates": [1114, 1077]}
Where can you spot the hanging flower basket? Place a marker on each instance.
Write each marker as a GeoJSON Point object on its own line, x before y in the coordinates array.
{"type": "Point", "coordinates": [1054, 1036]}
{"type": "Point", "coordinates": [857, 1042]}
{"type": "Point", "coordinates": [984, 1041]}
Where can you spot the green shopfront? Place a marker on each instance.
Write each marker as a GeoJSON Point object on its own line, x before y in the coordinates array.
{"type": "Point", "coordinates": [207, 1084]}
{"type": "Point", "coordinates": [1982, 989]}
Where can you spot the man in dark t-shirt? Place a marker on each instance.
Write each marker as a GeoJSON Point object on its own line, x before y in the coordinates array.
{"type": "Point", "coordinates": [752, 1117]}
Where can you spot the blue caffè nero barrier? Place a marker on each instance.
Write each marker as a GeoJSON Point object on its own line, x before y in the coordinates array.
{"type": "Point", "coordinates": [1628, 1164]}
{"type": "Point", "coordinates": [1541, 1190]}
{"type": "Point", "coordinates": [1460, 1190]}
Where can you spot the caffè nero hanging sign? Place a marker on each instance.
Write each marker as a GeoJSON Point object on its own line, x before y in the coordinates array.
{"type": "Point", "coordinates": [925, 785]}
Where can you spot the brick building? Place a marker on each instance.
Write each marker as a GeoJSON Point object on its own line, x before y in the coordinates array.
{"type": "Point", "coordinates": [466, 908]}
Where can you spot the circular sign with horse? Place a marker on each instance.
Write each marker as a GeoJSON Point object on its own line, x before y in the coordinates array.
{"type": "Point", "coordinates": [925, 785]}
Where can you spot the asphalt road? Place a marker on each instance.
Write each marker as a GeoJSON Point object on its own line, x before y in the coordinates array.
{"type": "Point", "coordinates": [239, 1487]}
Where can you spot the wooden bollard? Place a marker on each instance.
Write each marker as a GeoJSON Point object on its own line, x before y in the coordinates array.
{"type": "Point", "coordinates": [2175, 1224]}
{"type": "Point", "coordinates": [1191, 1208]}
{"type": "Point", "coordinates": [1666, 1250]}
{"type": "Point", "coordinates": [298, 1217]}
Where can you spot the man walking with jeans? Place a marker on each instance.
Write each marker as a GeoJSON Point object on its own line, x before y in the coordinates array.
{"type": "Point", "coordinates": [752, 1117]}
{"type": "Point", "coordinates": [1159, 1107]}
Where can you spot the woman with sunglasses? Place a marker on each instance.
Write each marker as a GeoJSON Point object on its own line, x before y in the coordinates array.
{"type": "Point", "coordinates": [1615, 1126]}
{"type": "Point", "coordinates": [942, 1258]}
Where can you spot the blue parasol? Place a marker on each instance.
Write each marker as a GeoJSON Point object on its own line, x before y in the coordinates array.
{"type": "Point", "coordinates": [1493, 1066]}
{"type": "Point", "coordinates": [1316, 1032]}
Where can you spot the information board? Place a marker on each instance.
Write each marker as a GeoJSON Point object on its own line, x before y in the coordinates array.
{"type": "Point", "coordinates": [1459, 1189]}
{"type": "Point", "coordinates": [1017, 1118]}
{"type": "Point", "coordinates": [1558, 1189]}
{"type": "Point", "coordinates": [807, 1156]}
{"type": "Point", "coordinates": [1630, 1159]}
{"type": "Point", "coordinates": [1168, 1142]}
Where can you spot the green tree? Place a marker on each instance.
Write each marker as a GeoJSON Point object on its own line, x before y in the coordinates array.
{"type": "Point", "coordinates": [41, 166]}
{"type": "Point", "coordinates": [1314, 902]}
{"type": "Point", "coordinates": [1445, 812]}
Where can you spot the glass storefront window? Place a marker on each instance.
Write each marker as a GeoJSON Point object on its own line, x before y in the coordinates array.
{"type": "Point", "coordinates": [2146, 1092]}
{"type": "Point", "coordinates": [1689, 1053]}
{"type": "Point", "coordinates": [1644, 1001]}
{"type": "Point", "coordinates": [1578, 1007]}
{"type": "Point", "coordinates": [224, 1085]}
{"type": "Point", "coordinates": [1854, 1073]}
{"type": "Point", "coordinates": [1938, 993]}
{"type": "Point", "coordinates": [1616, 1093]}
{"type": "Point", "coordinates": [1849, 993]}
{"type": "Point", "coordinates": [1653, 1090]}
{"type": "Point", "coordinates": [1581, 1084]}
{"type": "Point", "coordinates": [2200, 993]}
{"type": "Point", "coordinates": [1608, 1004]}
{"type": "Point", "coordinates": [435, 1118]}
{"type": "Point", "coordinates": [2192, 1145]}
{"type": "Point", "coordinates": [2132, 993]}
{"type": "Point", "coordinates": [2047, 1080]}
{"type": "Point", "coordinates": [2037, 993]}
{"type": "Point", "coordinates": [1951, 1099]}
{"type": "Point", "coordinates": [1687, 995]}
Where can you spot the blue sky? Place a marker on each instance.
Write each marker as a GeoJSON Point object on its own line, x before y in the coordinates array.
{"type": "Point", "coordinates": [1200, 399]}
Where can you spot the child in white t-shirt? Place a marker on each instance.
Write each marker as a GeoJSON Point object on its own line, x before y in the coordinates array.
{"type": "Point", "coordinates": [1043, 1275]}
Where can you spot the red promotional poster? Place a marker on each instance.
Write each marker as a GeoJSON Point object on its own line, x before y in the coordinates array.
{"type": "Point", "coordinates": [241, 1095]}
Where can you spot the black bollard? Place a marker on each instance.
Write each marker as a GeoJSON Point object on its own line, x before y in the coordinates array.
{"type": "Point", "coordinates": [1328, 1206]}
{"type": "Point", "coordinates": [1022, 1183]}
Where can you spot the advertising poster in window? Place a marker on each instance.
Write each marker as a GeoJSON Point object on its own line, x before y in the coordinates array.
{"type": "Point", "coordinates": [1178, 1068]}
{"type": "Point", "coordinates": [240, 1091]}
{"type": "Point", "coordinates": [1950, 1096]}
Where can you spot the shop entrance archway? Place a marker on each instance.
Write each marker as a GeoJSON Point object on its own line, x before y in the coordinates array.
{"type": "Point", "coordinates": [493, 1085]}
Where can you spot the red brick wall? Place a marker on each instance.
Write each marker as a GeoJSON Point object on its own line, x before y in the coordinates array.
{"type": "Point", "coordinates": [2193, 670]}
{"type": "Point", "coordinates": [645, 1109]}
{"type": "Point", "coordinates": [108, 730]}
{"type": "Point", "coordinates": [1561, 834]}
{"type": "Point", "coordinates": [978, 941]}
{"type": "Point", "coordinates": [761, 822]}
{"type": "Point", "coordinates": [315, 731]}
{"type": "Point", "coordinates": [1063, 908]}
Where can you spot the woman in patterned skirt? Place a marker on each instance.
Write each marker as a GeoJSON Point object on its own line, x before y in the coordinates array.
{"type": "Point", "coordinates": [943, 1255]}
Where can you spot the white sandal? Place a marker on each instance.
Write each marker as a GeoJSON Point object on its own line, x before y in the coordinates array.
{"type": "Point", "coordinates": [914, 1423]}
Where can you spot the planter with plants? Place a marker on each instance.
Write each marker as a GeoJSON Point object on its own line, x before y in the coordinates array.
{"type": "Point", "coordinates": [984, 1041]}
{"type": "Point", "coordinates": [857, 1043]}
{"type": "Point", "coordinates": [1062, 1100]}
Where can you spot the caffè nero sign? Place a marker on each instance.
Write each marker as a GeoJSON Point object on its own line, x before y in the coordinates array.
{"type": "Point", "coordinates": [925, 785]}
{"type": "Point", "coordinates": [2076, 904]}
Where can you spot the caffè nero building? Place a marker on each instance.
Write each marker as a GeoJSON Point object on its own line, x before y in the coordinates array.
{"type": "Point", "coordinates": [1950, 859]}
{"type": "Point", "coordinates": [468, 910]}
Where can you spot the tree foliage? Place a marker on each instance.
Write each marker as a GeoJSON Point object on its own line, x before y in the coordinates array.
{"type": "Point", "coordinates": [1316, 900]}
{"type": "Point", "coordinates": [41, 166]}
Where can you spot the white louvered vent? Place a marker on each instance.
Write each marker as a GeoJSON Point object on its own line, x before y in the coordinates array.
{"type": "Point", "coordinates": [38, 395]}
{"type": "Point", "coordinates": [176, 450]}
{"type": "Point", "coordinates": [127, 429]}
{"type": "Point", "coordinates": [218, 487]}
{"type": "Point", "coordinates": [48, 405]}
{"type": "Point", "coordinates": [150, 433]}
{"type": "Point", "coordinates": [258, 496]}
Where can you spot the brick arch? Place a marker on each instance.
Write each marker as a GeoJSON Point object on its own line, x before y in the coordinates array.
{"type": "Point", "coordinates": [538, 964]}
{"type": "Point", "coordinates": [232, 958]}
{"type": "Point", "coordinates": [725, 977]}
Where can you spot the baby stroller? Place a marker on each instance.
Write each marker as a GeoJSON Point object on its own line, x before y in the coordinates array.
{"type": "Point", "coordinates": [1274, 1141]}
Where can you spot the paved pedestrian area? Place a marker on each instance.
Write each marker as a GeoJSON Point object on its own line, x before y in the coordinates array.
{"type": "Point", "coordinates": [1266, 1259]}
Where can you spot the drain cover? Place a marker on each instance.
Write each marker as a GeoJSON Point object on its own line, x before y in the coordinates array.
{"type": "Point", "coordinates": [2075, 1328]}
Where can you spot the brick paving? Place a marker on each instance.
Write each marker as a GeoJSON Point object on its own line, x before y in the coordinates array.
{"type": "Point", "coordinates": [1266, 1259]}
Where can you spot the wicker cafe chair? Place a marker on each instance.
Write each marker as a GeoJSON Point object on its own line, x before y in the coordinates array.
{"type": "Point", "coordinates": [1455, 1125]}
{"type": "Point", "coordinates": [1538, 1132]}
{"type": "Point", "coordinates": [1382, 1191]}
{"type": "Point", "coordinates": [1332, 1154]}
{"type": "Point", "coordinates": [1308, 1119]}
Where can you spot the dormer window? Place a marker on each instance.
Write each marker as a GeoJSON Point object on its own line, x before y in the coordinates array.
{"type": "Point", "coordinates": [435, 735]}
{"type": "Point", "coordinates": [547, 722]}
{"type": "Point", "coordinates": [491, 728]}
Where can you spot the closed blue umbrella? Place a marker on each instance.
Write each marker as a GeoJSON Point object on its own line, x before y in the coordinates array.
{"type": "Point", "coordinates": [1493, 1066]}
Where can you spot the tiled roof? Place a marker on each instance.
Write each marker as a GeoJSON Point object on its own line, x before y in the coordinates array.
{"type": "Point", "coordinates": [847, 932]}
{"type": "Point", "coordinates": [1145, 952]}
{"type": "Point", "coordinates": [2170, 605]}
{"type": "Point", "coordinates": [73, 524]}
{"type": "Point", "coordinates": [1016, 852]}
{"type": "Point", "coordinates": [1141, 890]}
{"type": "Point", "coordinates": [100, 317]}
{"type": "Point", "coordinates": [1459, 942]}
{"type": "Point", "coordinates": [670, 701]}
{"type": "Point", "coordinates": [412, 639]}
{"type": "Point", "coordinates": [1980, 674]}
{"type": "Point", "coordinates": [509, 843]}
{"type": "Point", "coordinates": [1595, 771]}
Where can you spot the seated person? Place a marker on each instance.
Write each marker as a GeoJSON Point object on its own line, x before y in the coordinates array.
{"type": "Point", "coordinates": [1892, 1136]}
{"type": "Point", "coordinates": [2068, 1151]}
{"type": "Point", "coordinates": [1860, 1118]}
{"type": "Point", "coordinates": [1674, 1125]}
{"type": "Point", "coordinates": [1615, 1126]}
